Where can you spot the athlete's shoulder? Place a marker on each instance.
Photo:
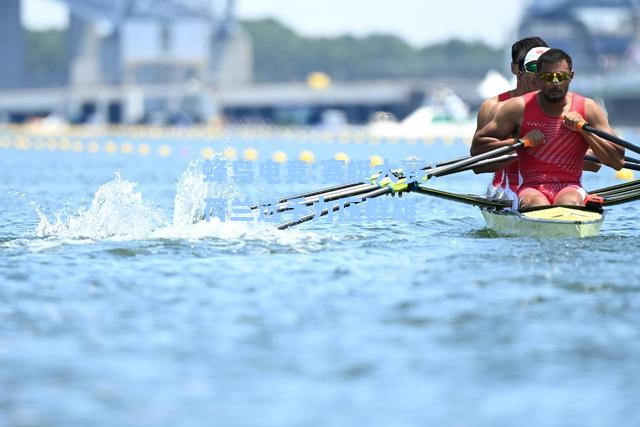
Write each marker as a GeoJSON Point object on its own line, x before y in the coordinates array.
{"type": "Point", "coordinates": [516, 102]}
{"type": "Point", "coordinates": [489, 103]}
{"type": "Point", "coordinates": [593, 107]}
{"type": "Point", "coordinates": [486, 111]}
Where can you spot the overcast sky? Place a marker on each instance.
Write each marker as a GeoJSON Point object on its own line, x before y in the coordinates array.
{"type": "Point", "coordinates": [419, 22]}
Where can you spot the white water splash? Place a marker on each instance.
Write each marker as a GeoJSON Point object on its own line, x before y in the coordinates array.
{"type": "Point", "coordinates": [192, 190]}
{"type": "Point", "coordinates": [118, 212]}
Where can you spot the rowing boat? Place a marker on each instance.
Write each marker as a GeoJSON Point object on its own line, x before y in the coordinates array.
{"type": "Point", "coordinates": [541, 221]}
{"type": "Point", "coordinates": [548, 221]}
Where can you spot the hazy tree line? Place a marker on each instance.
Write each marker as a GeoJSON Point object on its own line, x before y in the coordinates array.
{"type": "Point", "coordinates": [282, 55]}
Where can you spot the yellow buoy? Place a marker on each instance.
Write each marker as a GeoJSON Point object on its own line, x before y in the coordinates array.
{"type": "Point", "coordinates": [110, 147]}
{"type": "Point", "coordinates": [144, 149]}
{"type": "Point", "coordinates": [279, 157]}
{"type": "Point", "coordinates": [251, 154]}
{"type": "Point", "coordinates": [207, 153]}
{"type": "Point", "coordinates": [164, 150]}
{"type": "Point", "coordinates": [93, 146]}
{"type": "Point", "coordinates": [230, 153]}
{"type": "Point", "coordinates": [318, 80]}
{"type": "Point", "coordinates": [307, 156]}
{"type": "Point", "coordinates": [376, 161]}
{"type": "Point", "coordinates": [342, 156]}
{"type": "Point", "coordinates": [624, 174]}
{"type": "Point", "coordinates": [23, 143]}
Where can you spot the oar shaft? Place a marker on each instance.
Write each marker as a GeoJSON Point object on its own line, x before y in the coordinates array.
{"type": "Point", "coordinates": [312, 193]}
{"type": "Point", "coordinates": [609, 137]}
{"type": "Point", "coordinates": [448, 162]}
{"type": "Point", "coordinates": [341, 193]}
{"type": "Point", "coordinates": [631, 159]}
{"type": "Point", "coordinates": [481, 163]}
{"type": "Point", "coordinates": [615, 188]}
{"type": "Point", "coordinates": [309, 217]}
{"type": "Point", "coordinates": [355, 191]}
{"type": "Point", "coordinates": [456, 167]}
{"type": "Point", "coordinates": [627, 164]}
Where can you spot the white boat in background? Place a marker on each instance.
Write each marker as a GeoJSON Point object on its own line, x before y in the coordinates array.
{"type": "Point", "coordinates": [442, 115]}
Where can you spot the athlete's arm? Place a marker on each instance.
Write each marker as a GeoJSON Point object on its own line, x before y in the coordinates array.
{"type": "Point", "coordinates": [588, 165]}
{"type": "Point", "coordinates": [607, 152]}
{"type": "Point", "coordinates": [498, 132]}
{"type": "Point", "coordinates": [486, 112]}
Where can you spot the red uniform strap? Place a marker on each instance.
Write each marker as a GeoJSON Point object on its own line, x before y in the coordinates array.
{"type": "Point", "coordinates": [504, 96]}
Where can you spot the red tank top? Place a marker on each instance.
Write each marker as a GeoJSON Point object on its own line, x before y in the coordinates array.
{"type": "Point", "coordinates": [508, 176]}
{"type": "Point", "coordinates": [561, 157]}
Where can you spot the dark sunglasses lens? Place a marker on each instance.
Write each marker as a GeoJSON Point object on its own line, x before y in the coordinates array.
{"type": "Point", "coordinates": [531, 67]}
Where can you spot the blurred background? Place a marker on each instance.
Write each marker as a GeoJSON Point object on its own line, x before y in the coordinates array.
{"type": "Point", "coordinates": [242, 70]}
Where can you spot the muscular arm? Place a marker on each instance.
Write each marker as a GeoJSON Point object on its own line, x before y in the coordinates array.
{"type": "Point", "coordinates": [497, 133]}
{"type": "Point", "coordinates": [486, 112]}
{"type": "Point", "coordinates": [607, 152]}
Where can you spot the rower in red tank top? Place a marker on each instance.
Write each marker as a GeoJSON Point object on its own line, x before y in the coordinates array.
{"type": "Point", "coordinates": [551, 162]}
{"type": "Point", "coordinates": [525, 52]}
{"type": "Point", "coordinates": [508, 177]}
{"type": "Point", "coordinates": [555, 166]}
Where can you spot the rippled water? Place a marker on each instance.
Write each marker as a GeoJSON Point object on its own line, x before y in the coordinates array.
{"type": "Point", "coordinates": [115, 309]}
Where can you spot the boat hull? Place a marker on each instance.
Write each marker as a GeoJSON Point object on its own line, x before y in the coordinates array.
{"type": "Point", "coordinates": [556, 221]}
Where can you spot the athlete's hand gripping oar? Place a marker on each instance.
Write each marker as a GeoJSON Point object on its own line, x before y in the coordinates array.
{"type": "Point", "coordinates": [609, 137]}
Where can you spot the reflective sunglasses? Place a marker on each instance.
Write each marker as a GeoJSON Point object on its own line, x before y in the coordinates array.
{"type": "Point", "coordinates": [554, 77]}
{"type": "Point", "coordinates": [531, 67]}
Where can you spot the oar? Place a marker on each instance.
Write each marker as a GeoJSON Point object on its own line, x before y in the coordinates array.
{"type": "Point", "coordinates": [325, 191]}
{"type": "Point", "coordinates": [609, 137]}
{"type": "Point", "coordinates": [616, 188]}
{"type": "Point", "coordinates": [456, 166]}
{"type": "Point", "coordinates": [460, 165]}
{"type": "Point", "coordinates": [356, 190]}
{"type": "Point", "coordinates": [627, 164]}
{"type": "Point", "coordinates": [343, 190]}
{"type": "Point", "coordinates": [481, 163]}
{"type": "Point", "coordinates": [365, 197]}
{"type": "Point", "coordinates": [631, 159]}
{"type": "Point", "coordinates": [312, 193]}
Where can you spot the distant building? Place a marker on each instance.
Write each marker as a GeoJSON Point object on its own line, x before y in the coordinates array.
{"type": "Point", "coordinates": [598, 34]}
{"type": "Point", "coordinates": [187, 45]}
{"type": "Point", "coordinates": [11, 45]}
